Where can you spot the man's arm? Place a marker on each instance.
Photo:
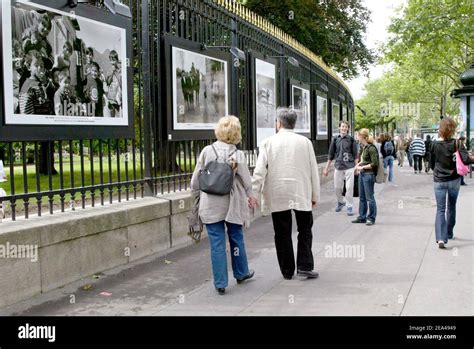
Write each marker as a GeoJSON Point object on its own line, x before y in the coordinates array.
{"type": "Point", "coordinates": [355, 151]}
{"type": "Point", "coordinates": [315, 184]}
{"type": "Point", "coordinates": [331, 155]}
{"type": "Point", "coordinates": [260, 171]}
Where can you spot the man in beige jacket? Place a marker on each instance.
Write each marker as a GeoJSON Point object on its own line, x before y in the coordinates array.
{"type": "Point", "coordinates": [287, 174]}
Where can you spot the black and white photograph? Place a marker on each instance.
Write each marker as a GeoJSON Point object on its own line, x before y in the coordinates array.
{"type": "Point", "coordinates": [301, 104]}
{"type": "Point", "coordinates": [335, 118]}
{"type": "Point", "coordinates": [322, 117]}
{"type": "Point", "coordinates": [200, 90]}
{"type": "Point", "coordinates": [62, 69]}
{"type": "Point", "coordinates": [265, 89]}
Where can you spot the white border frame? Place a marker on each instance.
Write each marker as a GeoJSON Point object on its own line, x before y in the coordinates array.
{"type": "Point", "coordinates": [23, 119]}
{"type": "Point", "coordinates": [195, 126]}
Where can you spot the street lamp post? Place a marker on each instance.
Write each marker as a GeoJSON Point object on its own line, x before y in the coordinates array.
{"type": "Point", "coordinates": [466, 94]}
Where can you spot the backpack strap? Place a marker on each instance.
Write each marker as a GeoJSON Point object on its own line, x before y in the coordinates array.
{"type": "Point", "coordinates": [217, 155]}
{"type": "Point", "coordinates": [215, 151]}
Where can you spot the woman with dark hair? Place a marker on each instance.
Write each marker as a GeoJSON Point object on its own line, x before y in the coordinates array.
{"type": "Point", "coordinates": [446, 179]}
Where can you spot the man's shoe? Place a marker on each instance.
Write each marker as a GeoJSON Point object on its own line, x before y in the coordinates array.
{"type": "Point", "coordinates": [359, 221]}
{"type": "Point", "coordinates": [349, 211]}
{"type": "Point", "coordinates": [339, 206]}
{"type": "Point", "coordinates": [221, 291]}
{"type": "Point", "coordinates": [441, 244]}
{"type": "Point", "coordinates": [287, 277]}
{"type": "Point", "coordinates": [248, 276]}
{"type": "Point", "coordinates": [369, 223]}
{"type": "Point", "coordinates": [308, 273]}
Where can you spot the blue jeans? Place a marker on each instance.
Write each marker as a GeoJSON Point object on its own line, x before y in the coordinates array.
{"type": "Point", "coordinates": [367, 196]}
{"type": "Point", "coordinates": [216, 234]}
{"type": "Point", "coordinates": [446, 216]}
{"type": "Point", "coordinates": [388, 161]}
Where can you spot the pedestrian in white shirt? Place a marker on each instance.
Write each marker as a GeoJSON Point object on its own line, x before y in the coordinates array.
{"type": "Point", "coordinates": [287, 175]}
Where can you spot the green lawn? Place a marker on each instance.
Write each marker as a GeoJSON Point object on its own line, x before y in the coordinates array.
{"type": "Point", "coordinates": [44, 185]}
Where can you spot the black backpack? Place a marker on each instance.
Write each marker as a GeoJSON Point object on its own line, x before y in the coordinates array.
{"type": "Point", "coordinates": [216, 178]}
{"type": "Point", "coordinates": [389, 148]}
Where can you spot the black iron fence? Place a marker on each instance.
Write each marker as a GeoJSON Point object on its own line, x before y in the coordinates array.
{"type": "Point", "coordinates": [56, 176]}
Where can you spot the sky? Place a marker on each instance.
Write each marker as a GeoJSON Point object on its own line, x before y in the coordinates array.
{"type": "Point", "coordinates": [381, 10]}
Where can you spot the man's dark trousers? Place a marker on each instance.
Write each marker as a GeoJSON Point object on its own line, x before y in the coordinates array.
{"type": "Point", "coordinates": [282, 224]}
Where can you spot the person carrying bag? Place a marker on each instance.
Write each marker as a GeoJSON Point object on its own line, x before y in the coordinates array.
{"type": "Point", "coordinates": [223, 181]}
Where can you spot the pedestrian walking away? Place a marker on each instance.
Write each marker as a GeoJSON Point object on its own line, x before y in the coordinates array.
{"type": "Point", "coordinates": [286, 177]}
{"type": "Point", "coordinates": [389, 155]}
{"type": "Point", "coordinates": [231, 210]}
{"type": "Point", "coordinates": [446, 179]}
{"type": "Point", "coordinates": [426, 158]}
{"type": "Point", "coordinates": [417, 150]}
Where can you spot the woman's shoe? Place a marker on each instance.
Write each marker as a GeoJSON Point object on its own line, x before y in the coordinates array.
{"type": "Point", "coordinates": [248, 276]}
{"type": "Point", "coordinates": [221, 291]}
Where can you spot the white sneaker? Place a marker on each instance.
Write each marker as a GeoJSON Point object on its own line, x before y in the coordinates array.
{"type": "Point", "coordinates": [441, 244]}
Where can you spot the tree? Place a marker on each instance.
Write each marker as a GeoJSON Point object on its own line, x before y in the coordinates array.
{"type": "Point", "coordinates": [430, 46]}
{"type": "Point", "coordinates": [331, 29]}
{"type": "Point", "coordinates": [398, 99]}
{"type": "Point", "coordinates": [432, 43]}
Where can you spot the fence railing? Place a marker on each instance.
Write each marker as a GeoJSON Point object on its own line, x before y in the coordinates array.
{"type": "Point", "coordinates": [56, 176]}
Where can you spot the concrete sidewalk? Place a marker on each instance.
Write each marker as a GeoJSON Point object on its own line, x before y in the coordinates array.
{"type": "Point", "coordinates": [391, 268]}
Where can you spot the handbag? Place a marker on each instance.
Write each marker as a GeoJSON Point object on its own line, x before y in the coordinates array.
{"type": "Point", "coordinates": [461, 168]}
{"type": "Point", "coordinates": [356, 187]}
{"type": "Point", "coordinates": [195, 224]}
{"type": "Point", "coordinates": [380, 176]}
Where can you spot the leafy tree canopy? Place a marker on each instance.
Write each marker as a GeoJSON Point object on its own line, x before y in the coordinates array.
{"type": "Point", "coordinates": [332, 29]}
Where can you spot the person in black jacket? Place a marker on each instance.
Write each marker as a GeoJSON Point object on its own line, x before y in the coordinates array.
{"type": "Point", "coordinates": [427, 157]}
{"type": "Point", "coordinates": [446, 179]}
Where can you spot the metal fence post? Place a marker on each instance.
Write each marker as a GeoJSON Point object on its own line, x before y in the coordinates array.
{"type": "Point", "coordinates": [147, 125]}
{"type": "Point", "coordinates": [283, 74]}
{"type": "Point", "coordinates": [234, 71]}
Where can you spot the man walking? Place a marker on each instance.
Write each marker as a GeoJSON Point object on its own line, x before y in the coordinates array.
{"type": "Point", "coordinates": [343, 149]}
{"type": "Point", "coordinates": [417, 149]}
{"type": "Point", "coordinates": [287, 174]}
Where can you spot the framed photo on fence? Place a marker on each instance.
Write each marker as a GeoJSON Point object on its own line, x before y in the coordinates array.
{"type": "Point", "coordinates": [198, 81]}
{"type": "Point", "coordinates": [300, 101]}
{"type": "Point", "coordinates": [264, 97]}
{"type": "Point", "coordinates": [61, 80]}
{"type": "Point", "coordinates": [336, 117]}
{"type": "Point", "coordinates": [321, 116]}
